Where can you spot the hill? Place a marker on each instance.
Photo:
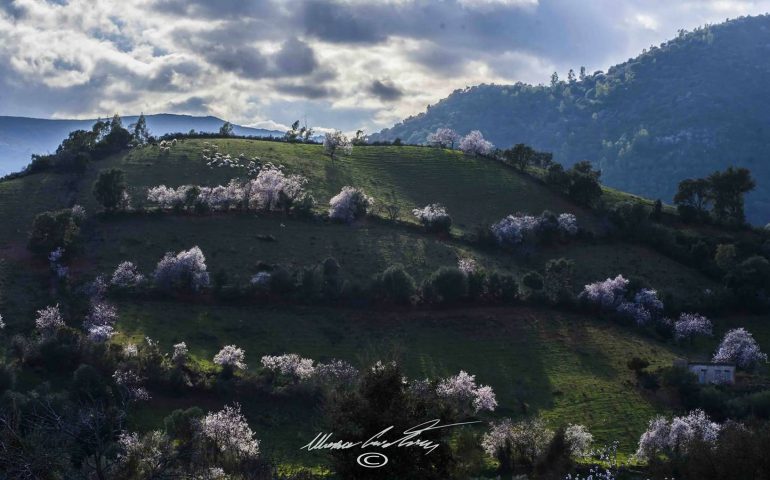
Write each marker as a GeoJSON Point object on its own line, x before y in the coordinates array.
{"type": "Point", "coordinates": [683, 109]}
{"type": "Point", "coordinates": [569, 366]}
{"type": "Point", "coordinates": [20, 137]}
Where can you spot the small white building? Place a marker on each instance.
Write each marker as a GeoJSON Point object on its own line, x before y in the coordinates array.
{"type": "Point", "coordinates": [712, 372]}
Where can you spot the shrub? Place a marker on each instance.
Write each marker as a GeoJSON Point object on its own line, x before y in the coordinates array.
{"type": "Point", "coordinates": [349, 205]}
{"type": "Point", "coordinates": [434, 217]}
{"type": "Point", "coordinates": [533, 281]}
{"type": "Point", "coordinates": [502, 287]}
{"type": "Point", "coordinates": [52, 230]}
{"type": "Point", "coordinates": [558, 279]}
{"type": "Point", "coordinates": [396, 284]}
{"type": "Point", "coordinates": [445, 285]}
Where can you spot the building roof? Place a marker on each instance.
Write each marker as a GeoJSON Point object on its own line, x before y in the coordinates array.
{"type": "Point", "coordinates": [712, 364]}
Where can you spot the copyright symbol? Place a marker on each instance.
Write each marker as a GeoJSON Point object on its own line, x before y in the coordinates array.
{"type": "Point", "coordinates": [372, 460]}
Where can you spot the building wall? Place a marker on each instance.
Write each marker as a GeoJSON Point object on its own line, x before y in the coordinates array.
{"type": "Point", "coordinates": [713, 373]}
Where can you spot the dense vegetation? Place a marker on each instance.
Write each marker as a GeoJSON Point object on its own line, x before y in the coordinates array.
{"type": "Point", "coordinates": [682, 109]}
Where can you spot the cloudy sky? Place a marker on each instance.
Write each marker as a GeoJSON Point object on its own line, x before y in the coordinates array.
{"type": "Point", "coordinates": [341, 63]}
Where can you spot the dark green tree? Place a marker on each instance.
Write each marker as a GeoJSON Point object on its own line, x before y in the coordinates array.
{"type": "Point", "coordinates": [692, 198]}
{"type": "Point", "coordinates": [110, 189]}
{"type": "Point", "coordinates": [141, 135]}
{"type": "Point", "coordinates": [727, 190]}
{"type": "Point", "coordinates": [226, 130]}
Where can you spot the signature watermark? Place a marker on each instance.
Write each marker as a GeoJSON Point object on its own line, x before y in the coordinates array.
{"type": "Point", "coordinates": [383, 440]}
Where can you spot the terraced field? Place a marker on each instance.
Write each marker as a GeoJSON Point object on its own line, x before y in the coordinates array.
{"type": "Point", "coordinates": [569, 368]}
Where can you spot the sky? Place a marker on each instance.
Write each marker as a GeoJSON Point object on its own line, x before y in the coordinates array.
{"type": "Point", "coordinates": [344, 64]}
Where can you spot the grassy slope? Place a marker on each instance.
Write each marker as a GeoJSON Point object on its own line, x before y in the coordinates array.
{"type": "Point", "coordinates": [569, 368]}
{"type": "Point", "coordinates": [475, 191]}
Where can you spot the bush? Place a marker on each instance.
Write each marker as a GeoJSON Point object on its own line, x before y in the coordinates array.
{"type": "Point", "coordinates": [502, 287]}
{"type": "Point", "coordinates": [51, 230]}
{"type": "Point", "coordinates": [396, 284]}
{"type": "Point", "coordinates": [533, 281]}
{"type": "Point", "coordinates": [445, 285]}
{"type": "Point", "coordinates": [434, 217]}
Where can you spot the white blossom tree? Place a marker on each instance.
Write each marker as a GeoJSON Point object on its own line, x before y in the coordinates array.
{"type": "Point", "coordinates": [180, 354]}
{"type": "Point", "coordinates": [273, 189]}
{"type": "Point", "coordinates": [738, 346]}
{"type": "Point", "coordinates": [692, 324]}
{"type": "Point", "coordinates": [49, 320]}
{"type": "Point", "coordinates": [126, 275]}
{"type": "Point", "coordinates": [607, 294]}
{"type": "Point", "coordinates": [443, 138]}
{"type": "Point", "coordinates": [290, 365]}
{"type": "Point", "coordinates": [229, 432]}
{"type": "Point", "coordinates": [185, 270]}
{"type": "Point", "coordinates": [336, 142]}
{"type": "Point", "coordinates": [474, 144]}
{"type": "Point", "coordinates": [579, 440]}
{"type": "Point", "coordinates": [434, 217]}
{"type": "Point", "coordinates": [348, 205]}
{"type": "Point", "coordinates": [462, 390]}
{"type": "Point", "coordinates": [230, 358]}
{"type": "Point", "coordinates": [674, 436]}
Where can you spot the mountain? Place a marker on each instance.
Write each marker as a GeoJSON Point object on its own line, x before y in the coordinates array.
{"type": "Point", "coordinates": [692, 105]}
{"type": "Point", "coordinates": [20, 137]}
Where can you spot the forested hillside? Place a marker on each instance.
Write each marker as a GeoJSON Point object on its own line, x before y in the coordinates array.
{"type": "Point", "coordinates": [690, 106]}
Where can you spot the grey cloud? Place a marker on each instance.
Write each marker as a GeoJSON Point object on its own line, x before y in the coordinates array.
{"type": "Point", "coordinates": [341, 23]}
{"type": "Point", "coordinates": [295, 58]}
{"type": "Point", "coordinates": [385, 90]}
{"type": "Point", "coordinates": [191, 106]}
{"type": "Point", "coordinates": [306, 90]}
{"type": "Point", "coordinates": [243, 60]}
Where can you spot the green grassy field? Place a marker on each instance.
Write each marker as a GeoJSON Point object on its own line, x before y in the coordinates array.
{"type": "Point", "coordinates": [567, 367]}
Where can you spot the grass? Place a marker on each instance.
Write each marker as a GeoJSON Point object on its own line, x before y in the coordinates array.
{"type": "Point", "coordinates": [567, 367]}
{"type": "Point", "coordinates": [475, 191]}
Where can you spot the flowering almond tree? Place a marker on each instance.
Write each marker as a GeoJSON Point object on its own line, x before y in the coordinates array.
{"type": "Point", "coordinates": [49, 320]}
{"type": "Point", "coordinates": [692, 324]}
{"type": "Point", "coordinates": [738, 346]}
{"type": "Point", "coordinates": [229, 432]}
{"type": "Point", "coordinates": [443, 138]}
{"type": "Point", "coordinates": [231, 358]}
{"type": "Point", "coordinates": [474, 144]}
{"type": "Point", "coordinates": [185, 270]}
{"type": "Point", "coordinates": [462, 390]}
{"type": "Point", "coordinates": [349, 205]}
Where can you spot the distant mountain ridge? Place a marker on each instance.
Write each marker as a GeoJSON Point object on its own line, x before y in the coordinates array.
{"type": "Point", "coordinates": [20, 137]}
{"type": "Point", "coordinates": [692, 105]}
